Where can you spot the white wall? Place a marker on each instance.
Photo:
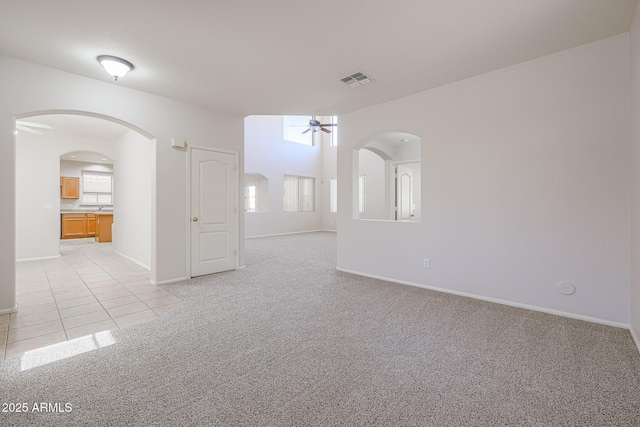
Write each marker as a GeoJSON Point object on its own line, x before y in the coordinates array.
{"type": "Point", "coordinates": [373, 167]}
{"type": "Point", "coordinates": [37, 191]}
{"type": "Point", "coordinates": [634, 297]}
{"type": "Point", "coordinates": [27, 88]}
{"type": "Point", "coordinates": [74, 169]}
{"type": "Point", "coordinates": [267, 153]}
{"type": "Point", "coordinates": [132, 197]}
{"type": "Point", "coordinates": [525, 183]}
{"type": "Point", "coordinates": [329, 172]}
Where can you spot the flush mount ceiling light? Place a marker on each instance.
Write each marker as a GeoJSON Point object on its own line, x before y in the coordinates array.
{"type": "Point", "coordinates": [117, 67]}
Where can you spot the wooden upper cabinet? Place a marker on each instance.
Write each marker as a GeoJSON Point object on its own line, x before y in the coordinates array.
{"type": "Point", "coordinates": [69, 188]}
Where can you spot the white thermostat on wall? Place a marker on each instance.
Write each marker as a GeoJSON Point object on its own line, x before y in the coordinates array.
{"type": "Point", "coordinates": [178, 143]}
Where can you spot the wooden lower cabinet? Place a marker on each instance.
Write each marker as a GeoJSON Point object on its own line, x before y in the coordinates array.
{"type": "Point", "coordinates": [79, 225]}
{"type": "Point", "coordinates": [91, 225]}
{"type": "Point", "coordinates": [103, 228]}
{"type": "Point", "coordinates": [74, 226]}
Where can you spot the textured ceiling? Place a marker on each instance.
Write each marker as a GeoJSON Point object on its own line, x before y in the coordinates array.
{"type": "Point", "coordinates": [287, 56]}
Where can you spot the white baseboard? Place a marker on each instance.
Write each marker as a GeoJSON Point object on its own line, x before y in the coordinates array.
{"type": "Point", "coordinates": [635, 338]}
{"type": "Point", "coordinates": [330, 231]}
{"type": "Point", "coordinates": [166, 282]}
{"type": "Point", "coordinates": [146, 267]}
{"type": "Point", "coordinates": [494, 300]}
{"type": "Point", "coordinates": [284, 234]}
{"type": "Point", "coordinates": [9, 310]}
{"type": "Point", "coordinates": [38, 258]}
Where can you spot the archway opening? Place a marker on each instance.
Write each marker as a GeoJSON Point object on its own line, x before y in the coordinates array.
{"type": "Point", "coordinates": [109, 164]}
{"type": "Point", "coordinates": [387, 177]}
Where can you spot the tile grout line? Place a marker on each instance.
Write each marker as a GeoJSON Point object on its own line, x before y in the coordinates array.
{"type": "Point", "coordinates": [69, 260]}
{"type": "Point", "coordinates": [55, 300]}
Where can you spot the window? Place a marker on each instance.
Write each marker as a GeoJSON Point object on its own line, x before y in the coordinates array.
{"type": "Point", "coordinates": [334, 131]}
{"type": "Point", "coordinates": [333, 195]}
{"type": "Point", "coordinates": [293, 128]}
{"type": "Point", "coordinates": [97, 188]}
{"type": "Point", "coordinates": [362, 193]}
{"type": "Point", "coordinates": [299, 194]}
{"type": "Point", "coordinates": [256, 192]}
{"type": "Point", "coordinates": [250, 193]}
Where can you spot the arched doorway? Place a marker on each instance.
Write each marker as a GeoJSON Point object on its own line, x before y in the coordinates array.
{"type": "Point", "coordinates": [44, 156]}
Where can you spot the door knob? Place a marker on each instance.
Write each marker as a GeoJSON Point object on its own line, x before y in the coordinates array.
{"type": "Point", "coordinates": [194, 219]}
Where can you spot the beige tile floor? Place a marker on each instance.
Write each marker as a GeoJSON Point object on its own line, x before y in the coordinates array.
{"type": "Point", "coordinates": [88, 289]}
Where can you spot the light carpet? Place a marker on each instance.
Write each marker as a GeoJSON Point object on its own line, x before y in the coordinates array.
{"type": "Point", "coordinates": [290, 341]}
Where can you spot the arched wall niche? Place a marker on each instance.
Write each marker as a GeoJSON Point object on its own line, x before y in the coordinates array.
{"type": "Point", "coordinates": [256, 192]}
{"type": "Point", "coordinates": [387, 177]}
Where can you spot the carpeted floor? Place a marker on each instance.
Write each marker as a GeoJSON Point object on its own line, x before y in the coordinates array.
{"type": "Point", "coordinates": [291, 341]}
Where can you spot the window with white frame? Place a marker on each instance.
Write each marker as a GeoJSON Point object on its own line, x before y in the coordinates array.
{"type": "Point", "coordinates": [294, 129]}
{"type": "Point", "coordinates": [333, 195]}
{"type": "Point", "coordinates": [362, 193]}
{"type": "Point", "coordinates": [334, 131]}
{"type": "Point", "coordinates": [97, 188]}
{"type": "Point", "coordinates": [250, 197]}
{"type": "Point", "coordinates": [299, 194]}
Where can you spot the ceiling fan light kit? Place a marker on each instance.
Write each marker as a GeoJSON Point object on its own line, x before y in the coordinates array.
{"type": "Point", "coordinates": [315, 126]}
{"type": "Point", "coordinates": [116, 67]}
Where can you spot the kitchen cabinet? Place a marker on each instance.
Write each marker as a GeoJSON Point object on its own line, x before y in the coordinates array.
{"type": "Point", "coordinates": [69, 187]}
{"type": "Point", "coordinates": [79, 225]}
{"type": "Point", "coordinates": [103, 227]}
{"type": "Point", "coordinates": [74, 226]}
{"type": "Point", "coordinates": [91, 225]}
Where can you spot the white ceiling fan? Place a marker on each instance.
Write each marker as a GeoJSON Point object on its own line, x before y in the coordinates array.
{"type": "Point", "coordinates": [315, 126]}
{"type": "Point", "coordinates": [25, 126]}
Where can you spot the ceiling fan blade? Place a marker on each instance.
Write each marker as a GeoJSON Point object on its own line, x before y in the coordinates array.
{"type": "Point", "coordinates": [28, 130]}
{"type": "Point", "coordinates": [306, 131]}
{"type": "Point", "coordinates": [325, 130]}
{"type": "Point", "coordinates": [32, 124]}
{"type": "Point", "coordinates": [329, 124]}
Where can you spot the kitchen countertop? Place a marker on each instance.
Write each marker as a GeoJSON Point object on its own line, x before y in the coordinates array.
{"type": "Point", "coordinates": [80, 211]}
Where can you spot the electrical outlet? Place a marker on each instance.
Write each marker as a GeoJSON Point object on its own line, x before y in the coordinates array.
{"type": "Point", "coordinates": [426, 263]}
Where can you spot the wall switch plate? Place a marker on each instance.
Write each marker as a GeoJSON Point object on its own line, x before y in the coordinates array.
{"type": "Point", "coordinates": [426, 263]}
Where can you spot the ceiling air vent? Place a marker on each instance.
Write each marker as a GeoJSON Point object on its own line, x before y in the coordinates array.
{"type": "Point", "coordinates": [356, 79]}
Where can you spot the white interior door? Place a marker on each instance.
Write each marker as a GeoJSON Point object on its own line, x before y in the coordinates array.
{"type": "Point", "coordinates": [213, 212]}
{"type": "Point", "coordinates": [404, 182]}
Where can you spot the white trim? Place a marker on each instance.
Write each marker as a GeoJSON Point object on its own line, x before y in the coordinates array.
{"type": "Point", "coordinates": [146, 267]}
{"type": "Point", "coordinates": [330, 231]}
{"type": "Point", "coordinates": [38, 258]}
{"type": "Point", "coordinates": [494, 300]}
{"type": "Point", "coordinates": [239, 212]}
{"type": "Point", "coordinates": [284, 234]}
{"type": "Point", "coordinates": [9, 310]}
{"type": "Point", "coordinates": [635, 337]}
{"type": "Point", "coordinates": [166, 282]}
